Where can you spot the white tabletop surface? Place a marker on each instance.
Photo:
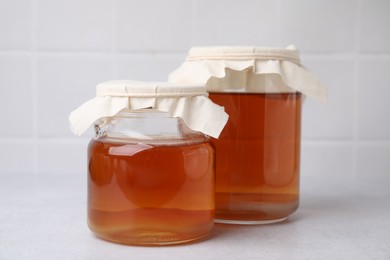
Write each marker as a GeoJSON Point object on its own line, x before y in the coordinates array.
{"type": "Point", "coordinates": [43, 217]}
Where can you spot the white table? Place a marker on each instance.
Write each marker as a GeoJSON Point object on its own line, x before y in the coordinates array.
{"type": "Point", "coordinates": [44, 217]}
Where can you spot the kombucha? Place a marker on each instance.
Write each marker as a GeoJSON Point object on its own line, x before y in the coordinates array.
{"type": "Point", "coordinates": [257, 157]}
{"type": "Point", "coordinates": [150, 194]}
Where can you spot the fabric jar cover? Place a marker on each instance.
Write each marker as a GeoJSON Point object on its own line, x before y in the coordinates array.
{"type": "Point", "coordinates": [248, 69]}
{"type": "Point", "coordinates": [189, 102]}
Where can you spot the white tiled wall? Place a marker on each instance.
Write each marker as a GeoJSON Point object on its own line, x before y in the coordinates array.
{"type": "Point", "coordinates": [62, 49]}
{"type": "Point", "coordinates": [319, 25]}
{"type": "Point", "coordinates": [63, 78]}
{"type": "Point", "coordinates": [244, 22]}
{"type": "Point", "coordinates": [151, 25]}
{"type": "Point", "coordinates": [16, 24]}
{"type": "Point", "coordinates": [74, 25]}
{"type": "Point", "coordinates": [16, 91]}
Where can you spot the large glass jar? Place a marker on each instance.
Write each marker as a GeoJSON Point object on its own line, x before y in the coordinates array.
{"type": "Point", "coordinates": [258, 156]}
{"type": "Point", "coordinates": [150, 176]}
{"type": "Point", "coordinates": [258, 152]}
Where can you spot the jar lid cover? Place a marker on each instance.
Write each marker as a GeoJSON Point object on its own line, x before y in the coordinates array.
{"type": "Point", "coordinates": [248, 69]}
{"type": "Point", "coordinates": [189, 102]}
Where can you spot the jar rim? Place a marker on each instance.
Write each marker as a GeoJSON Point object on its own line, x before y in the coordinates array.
{"type": "Point", "coordinates": [130, 88]}
{"type": "Point", "coordinates": [289, 53]}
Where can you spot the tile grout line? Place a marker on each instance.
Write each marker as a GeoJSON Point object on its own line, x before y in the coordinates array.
{"type": "Point", "coordinates": [89, 53]}
{"type": "Point", "coordinates": [94, 53]}
{"type": "Point", "coordinates": [114, 53]}
{"type": "Point", "coordinates": [34, 86]}
{"type": "Point", "coordinates": [278, 22]}
{"type": "Point", "coordinates": [355, 134]}
{"type": "Point", "coordinates": [194, 7]}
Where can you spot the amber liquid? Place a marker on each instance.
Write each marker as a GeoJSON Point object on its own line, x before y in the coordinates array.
{"type": "Point", "coordinates": [150, 195]}
{"type": "Point", "coordinates": [257, 157]}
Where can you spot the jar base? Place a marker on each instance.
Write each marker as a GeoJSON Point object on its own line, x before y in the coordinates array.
{"type": "Point", "coordinates": [254, 209]}
{"type": "Point", "coordinates": [249, 222]}
{"type": "Point", "coordinates": [154, 240]}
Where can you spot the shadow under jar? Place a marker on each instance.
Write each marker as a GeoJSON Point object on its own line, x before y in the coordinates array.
{"type": "Point", "coordinates": [258, 152]}
{"type": "Point", "coordinates": [150, 180]}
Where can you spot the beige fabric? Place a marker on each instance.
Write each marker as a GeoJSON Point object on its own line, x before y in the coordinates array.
{"type": "Point", "coordinates": [248, 69]}
{"type": "Point", "coordinates": [188, 102]}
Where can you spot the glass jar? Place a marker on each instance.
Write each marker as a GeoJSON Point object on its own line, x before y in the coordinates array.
{"type": "Point", "coordinates": [150, 176]}
{"type": "Point", "coordinates": [258, 156]}
{"type": "Point", "coordinates": [150, 180]}
{"type": "Point", "coordinates": [258, 152]}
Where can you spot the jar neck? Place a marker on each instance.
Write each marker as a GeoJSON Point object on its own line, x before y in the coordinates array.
{"type": "Point", "coordinates": [146, 126]}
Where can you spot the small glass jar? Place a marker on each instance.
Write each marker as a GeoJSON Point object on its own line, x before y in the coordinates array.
{"type": "Point", "coordinates": [258, 152]}
{"type": "Point", "coordinates": [150, 180]}
{"type": "Point", "coordinates": [150, 176]}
